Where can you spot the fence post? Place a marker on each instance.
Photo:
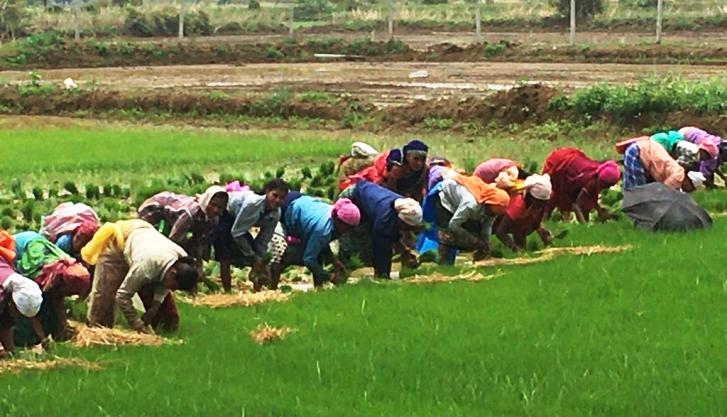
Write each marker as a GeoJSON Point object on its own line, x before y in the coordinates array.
{"type": "Point", "coordinates": [659, 11]}
{"type": "Point", "coordinates": [478, 23]}
{"type": "Point", "coordinates": [76, 23]}
{"type": "Point", "coordinates": [391, 19]}
{"type": "Point", "coordinates": [572, 22]}
{"type": "Point", "coordinates": [291, 33]}
{"type": "Point", "coordinates": [181, 19]}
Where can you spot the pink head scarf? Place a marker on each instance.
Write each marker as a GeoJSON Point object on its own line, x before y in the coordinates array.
{"type": "Point", "coordinates": [347, 212]}
{"type": "Point", "coordinates": [608, 172]}
{"type": "Point", "coordinates": [710, 148]}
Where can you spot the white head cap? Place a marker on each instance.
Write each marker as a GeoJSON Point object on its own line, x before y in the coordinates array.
{"type": "Point", "coordinates": [26, 294]}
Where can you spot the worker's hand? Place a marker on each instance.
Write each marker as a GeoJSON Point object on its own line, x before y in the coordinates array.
{"type": "Point", "coordinates": [482, 251]}
{"type": "Point", "coordinates": [337, 278]}
{"type": "Point", "coordinates": [338, 266]}
{"type": "Point", "coordinates": [408, 260]}
{"type": "Point", "coordinates": [45, 344]}
{"type": "Point", "coordinates": [604, 216]}
{"type": "Point", "coordinates": [547, 238]}
{"type": "Point", "coordinates": [149, 314]}
{"type": "Point", "coordinates": [146, 330]}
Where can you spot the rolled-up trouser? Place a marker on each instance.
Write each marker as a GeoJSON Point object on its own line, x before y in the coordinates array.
{"type": "Point", "coordinates": [111, 269]}
{"type": "Point", "coordinates": [447, 237]}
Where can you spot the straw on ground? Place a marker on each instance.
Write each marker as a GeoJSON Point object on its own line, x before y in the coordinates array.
{"type": "Point", "coordinates": [242, 299]}
{"type": "Point", "coordinates": [17, 365]}
{"type": "Point", "coordinates": [102, 336]}
{"type": "Point", "coordinates": [265, 333]}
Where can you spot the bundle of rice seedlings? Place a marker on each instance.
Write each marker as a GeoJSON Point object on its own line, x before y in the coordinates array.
{"type": "Point", "coordinates": [17, 365]}
{"type": "Point", "coordinates": [434, 278]}
{"type": "Point", "coordinates": [243, 299]}
{"type": "Point", "coordinates": [551, 253]}
{"type": "Point", "coordinates": [265, 333]}
{"type": "Point", "coordinates": [102, 336]}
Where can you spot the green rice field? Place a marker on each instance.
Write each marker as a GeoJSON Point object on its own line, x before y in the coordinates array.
{"type": "Point", "coordinates": [636, 333]}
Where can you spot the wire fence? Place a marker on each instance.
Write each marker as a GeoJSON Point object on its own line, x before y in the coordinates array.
{"type": "Point", "coordinates": [384, 20]}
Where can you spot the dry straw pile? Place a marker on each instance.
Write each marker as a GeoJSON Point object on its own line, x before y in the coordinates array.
{"type": "Point", "coordinates": [242, 299]}
{"type": "Point", "coordinates": [102, 336]}
{"type": "Point", "coordinates": [266, 334]}
{"type": "Point", "coordinates": [17, 365]}
{"type": "Point", "coordinates": [551, 253]}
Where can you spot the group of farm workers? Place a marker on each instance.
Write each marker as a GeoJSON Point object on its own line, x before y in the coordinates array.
{"type": "Point", "coordinates": [398, 202]}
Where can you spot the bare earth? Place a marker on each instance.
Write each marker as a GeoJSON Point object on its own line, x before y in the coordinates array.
{"type": "Point", "coordinates": [383, 83]}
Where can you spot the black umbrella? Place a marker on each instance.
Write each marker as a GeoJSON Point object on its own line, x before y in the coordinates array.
{"type": "Point", "coordinates": [657, 207]}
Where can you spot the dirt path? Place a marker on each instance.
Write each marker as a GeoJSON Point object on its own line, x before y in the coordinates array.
{"type": "Point", "coordinates": [384, 83]}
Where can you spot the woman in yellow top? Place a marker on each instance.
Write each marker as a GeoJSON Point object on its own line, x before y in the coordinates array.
{"type": "Point", "coordinates": [132, 257]}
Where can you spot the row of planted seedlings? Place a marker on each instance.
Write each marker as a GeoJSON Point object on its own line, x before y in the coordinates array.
{"type": "Point", "coordinates": [22, 206]}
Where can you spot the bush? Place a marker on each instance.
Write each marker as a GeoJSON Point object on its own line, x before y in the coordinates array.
{"type": "Point", "coordinates": [435, 1]}
{"type": "Point", "coordinates": [253, 5]}
{"type": "Point", "coordinates": [165, 22]}
{"type": "Point", "coordinates": [135, 24]}
{"type": "Point", "coordinates": [644, 4]}
{"type": "Point", "coordinates": [584, 8]}
{"type": "Point", "coordinates": [649, 96]}
{"type": "Point", "coordinates": [12, 18]}
{"type": "Point", "coordinates": [311, 10]}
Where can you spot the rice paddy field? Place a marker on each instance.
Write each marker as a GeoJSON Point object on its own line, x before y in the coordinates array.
{"type": "Point", "coordinates": [639, 332]}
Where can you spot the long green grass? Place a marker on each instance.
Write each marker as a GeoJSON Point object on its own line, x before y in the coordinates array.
{"type": "Point", "coordinates": [639, 334]}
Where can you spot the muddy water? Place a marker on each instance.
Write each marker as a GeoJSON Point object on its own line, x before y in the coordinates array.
{"type": "Point", "coordinates": [384, 83]}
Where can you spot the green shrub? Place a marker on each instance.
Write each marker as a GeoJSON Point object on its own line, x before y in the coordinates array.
{"type": "Point", "coordinates": [253, 5]}
{"type": "Point", "coordinates": [584, 8]}
{"type": "Point", "coordinates": [494, 49]}
{"type": "Point", "coordinates": [649, 96]}
{"type": "Point", "coordinates": [135, 24]}
{"type": "Point", "coordinates": [311, 10]}
{"type": "Point", "coordinates": [38, 193]}
{"type": "Point", "coordinates": [125, 48]}
{"type": "Point", "coordinates": [70, 186]}
{"type": "Point", "coordinates": [274, 53]}
{"type": "Point", "coordinates": [7, 223]}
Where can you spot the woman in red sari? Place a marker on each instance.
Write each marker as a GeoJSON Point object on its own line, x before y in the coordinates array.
{"type": "Point", "coordinates": [577, 182]}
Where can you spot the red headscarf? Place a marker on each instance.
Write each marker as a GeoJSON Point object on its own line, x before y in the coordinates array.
{"type": "Point", "coordinates": [74, 277]}
{"type": "Point", "coordinates": [7, 247]}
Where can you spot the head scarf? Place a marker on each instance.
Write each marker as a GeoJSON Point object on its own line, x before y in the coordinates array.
{"type": "Point", "coordinates": [394, 158]}
{"type": "Point", "coordinates": [234, 186]}
{"type": "Point", "coordinates": [608, 172]}
{"type": "Point", "coordinates": [7, 247]}
{"type": "Point", "coordinates": [209, 194]}
{"type": "Point", "coordinates": [507, 178]}
{"type": "Point", "coordinates": [538, 186]}
{"type": "Point", "coordinates": [709, 147]}
{"type": "Point", "coordinates": [347, 212]}
{"type": "Point", "coordinates": [440, 161]}
{"type": "Point", "coordinates": [26, 294]}
{"type": "Point", "coordinates": [697, 178]}
{"type": "Point", "coordinates": [74, 277]}
{"type": "Point", "coordinates": [110, 233]}
{"type": "Point", "coordinates": [668, 139]}
{"type": "Point", "coordinates": [409, 211]}
{"type": "Point", "coordinates": [66, 218]}
{"type": "Point", "coordinates": [498, 200]}
{"type": "Point", "coordinates": [415, 146]}
{"type": "Point", "coordinates": [363, 150]}
{"type": "Point", "coordinates": [86, 230]}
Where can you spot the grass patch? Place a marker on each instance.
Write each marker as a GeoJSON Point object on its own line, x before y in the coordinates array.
{"type": "Point", "coordinates": [624, 334]}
